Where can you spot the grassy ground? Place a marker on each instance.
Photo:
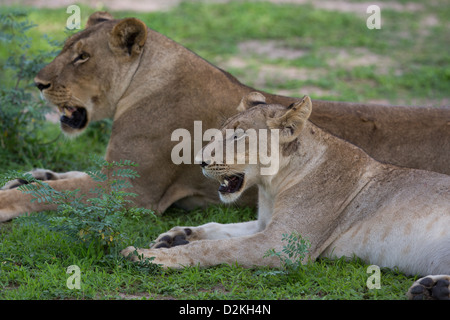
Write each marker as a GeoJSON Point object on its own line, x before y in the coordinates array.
{"type": "Point", "coordinates": [34, 263]}
{"type": "Point", "coordinates": [286, 49]}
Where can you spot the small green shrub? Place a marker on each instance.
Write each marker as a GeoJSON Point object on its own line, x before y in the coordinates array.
{"type": "Point", "coordinates": [22, 113]}
{"type": "Point", "coordinates": [293, 253]}
{"type": "Point", "coordinates": [94, 219]}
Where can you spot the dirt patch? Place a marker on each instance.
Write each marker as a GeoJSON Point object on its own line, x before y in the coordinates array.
{"type": "Point", "coordinates": [340, 57]}
{"type": "Point", "coordinates": [254, 70]}
{"type": "Point", "coordinates": [265, 76]}
{"type": "Point", "coordinates": [355, 7]}
{"type": "Point", "coordinates": [259, 74]}
{"type": "Point", "coordinates": [271, 49]}
{"type": "Point", "coordinates": [312, 91]}
{"type": "Point", "coordinates": [350, 58]}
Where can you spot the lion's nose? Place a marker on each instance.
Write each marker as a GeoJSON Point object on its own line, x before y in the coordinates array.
{"type": "Point", "coordinates": [199, 159]}
{"type": "Point", "coordinates": [203, 164]}
{"type": "Point", "coordinates": [41, 84]}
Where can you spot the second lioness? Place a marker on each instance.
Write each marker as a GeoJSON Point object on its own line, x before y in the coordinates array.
{"type": "Point", "coordinates": [328, 190]}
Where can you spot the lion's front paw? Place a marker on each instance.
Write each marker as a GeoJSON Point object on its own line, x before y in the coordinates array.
{"type": "Point", "coordinates": [431, 288]}
{"type": "Point", "coordinates": [130, 253]}
{"type": "Point", "coordinates": [39, 174]}
{"type": "Point", "coordinates": [177, 236]}
{"type": "Point", "coordinates": [14, 184]}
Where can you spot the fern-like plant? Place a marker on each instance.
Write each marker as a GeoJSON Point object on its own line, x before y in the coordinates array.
{"type": "Point", "coordinates": [95, 218]}
{"type": "Point", "coordinates": [294, 252]}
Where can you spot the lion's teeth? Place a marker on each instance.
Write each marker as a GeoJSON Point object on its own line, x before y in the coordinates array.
{"type": "Point", "coordinates": [68, 111]}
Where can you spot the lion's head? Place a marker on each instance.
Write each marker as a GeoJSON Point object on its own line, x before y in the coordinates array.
{"type": "Point", "coordinates": [93, 70]}
{"type": "Point", "coordinates": [254, 143]}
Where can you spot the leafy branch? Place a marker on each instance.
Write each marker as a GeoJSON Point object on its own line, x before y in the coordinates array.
{"type": "Point", "coordinates": [94, 218]}
{"type": "Point", "coordinates": [293, 253]}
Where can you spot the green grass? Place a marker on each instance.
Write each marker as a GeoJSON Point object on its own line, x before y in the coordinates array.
{"type": "Point", "coordinates": [33, 260]}
{"type": "Point", "coordinates": [33, 264]}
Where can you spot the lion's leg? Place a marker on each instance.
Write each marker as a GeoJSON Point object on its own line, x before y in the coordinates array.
{"type": "Point", "coordinates": [13, 202]}
{"type": "Point", "coordinates": [436, 287]}
{"type": "Point", "coordinates": [43, 175]}
{"type": "Point", "coordinates": [247, 251]}
{"type": "Point", "coordinates": [210, 231]}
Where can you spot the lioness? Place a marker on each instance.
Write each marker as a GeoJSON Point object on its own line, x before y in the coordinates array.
{"type": "Point", "coordinates": [151, 86]}
{"type": "Point", "coordinates": [330, 191]}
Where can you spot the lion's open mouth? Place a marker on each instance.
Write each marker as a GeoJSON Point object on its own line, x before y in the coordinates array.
{"type": "Point", "coordinates": [74, 117]}
{"type": "Point", "coordinates": [232, 183]}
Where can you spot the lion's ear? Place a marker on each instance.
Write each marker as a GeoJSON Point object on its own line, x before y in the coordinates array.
{"type": "Point", "coordinates": [250, 100]}
{"type": "Point", "coordinates": [128, 36]}
{"type": "Point", "coordinates": [98, 17]}
{"type": "Point", "coordinates": [291, 123]}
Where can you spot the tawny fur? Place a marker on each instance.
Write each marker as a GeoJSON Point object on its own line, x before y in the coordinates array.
{"type": "Point", "coordinates": [332, 193]}
{"type": "Point", "coordinates": [151, 86]}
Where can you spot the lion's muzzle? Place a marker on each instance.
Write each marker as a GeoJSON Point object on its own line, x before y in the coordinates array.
{"type": "Point", "coordinates": [74, 117]}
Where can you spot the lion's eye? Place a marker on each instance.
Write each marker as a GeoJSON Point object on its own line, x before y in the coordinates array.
{"type": "Point", "coordinates": [82, 57]}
